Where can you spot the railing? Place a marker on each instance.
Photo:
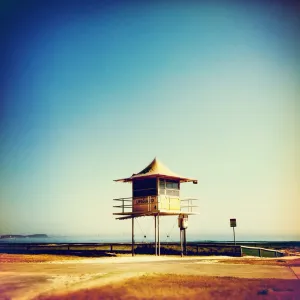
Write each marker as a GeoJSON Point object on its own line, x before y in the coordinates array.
{"type": "Point", "coordinates": [186, 204]}
{"type": "Point", "coordinates": [261, 252]}
{"type": "Point", "coordinates": [99, 249]}
{"type": "Point", "coordinates": [123, 205]}
{"type": "Point", "coordinates": [103, 249]}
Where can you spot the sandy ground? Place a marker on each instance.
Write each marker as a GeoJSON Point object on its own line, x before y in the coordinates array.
{"type": "Point", "coordinates": [31, 276]}
{"type": "Point", "coordinates": [190, 287]}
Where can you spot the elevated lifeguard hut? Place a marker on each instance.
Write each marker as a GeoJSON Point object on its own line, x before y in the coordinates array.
{"type": "Point", "coordinates": [156, 192]}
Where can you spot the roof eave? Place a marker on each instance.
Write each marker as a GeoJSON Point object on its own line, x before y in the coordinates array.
{"type": "Point", "coordinates": [181, 179]}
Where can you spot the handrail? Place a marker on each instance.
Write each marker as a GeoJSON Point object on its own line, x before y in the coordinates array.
{"type": "Point", "coordinates": [123, 199]}
{"type": "Point", "coordinates": [260, 249]}
{"type": "Point", "coordinates": [195, 248]}
{"type": "Point", "coordinates": [185, 205]}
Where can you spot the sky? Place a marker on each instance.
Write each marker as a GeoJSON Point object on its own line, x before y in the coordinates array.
{"type": "Point", "coordinates": [93, 91]}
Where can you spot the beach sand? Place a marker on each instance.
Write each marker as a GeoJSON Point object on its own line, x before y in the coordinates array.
{"type": "Point", "coordinates": [148, 277]}
{"type": "Point", "coordinates": [172, 286]}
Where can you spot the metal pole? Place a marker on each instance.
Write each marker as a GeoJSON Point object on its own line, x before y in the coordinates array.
{"type": "Point", "coordinates": [158, 238]}
{"type": "Point", "coordinates": [181, 245]}
{"type": "Point", "coordinates": [155, 243]}
{"type": "Point", "coordinates": [132, 237]}
{"type": "Point", "coordinates": [184, 241]}
{"type": "Point", "coordinates": [233, 235]}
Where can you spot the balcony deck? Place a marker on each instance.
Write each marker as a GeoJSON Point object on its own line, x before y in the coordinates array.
{"type": "Point", "coordinates": [186, 207]}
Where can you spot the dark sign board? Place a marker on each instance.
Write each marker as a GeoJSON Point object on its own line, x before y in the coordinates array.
{"type": "Point", "coordinates": [232, 222]}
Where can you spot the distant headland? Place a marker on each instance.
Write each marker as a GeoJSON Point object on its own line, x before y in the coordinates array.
{"type": "Point", "coordinates": [11, 236]}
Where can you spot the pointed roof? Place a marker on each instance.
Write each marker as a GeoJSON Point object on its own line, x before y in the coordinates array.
{"type": "Point", "coordinates": [156, 169]}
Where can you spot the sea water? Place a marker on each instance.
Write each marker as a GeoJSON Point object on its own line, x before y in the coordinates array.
{"type": "Point", "coordinates": [139, 238]}
{"type": "Point", "coordinates": [64, 239]}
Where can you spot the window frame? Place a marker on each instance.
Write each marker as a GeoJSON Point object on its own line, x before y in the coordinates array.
{"type": "Point", "coordinates": [175, 187]}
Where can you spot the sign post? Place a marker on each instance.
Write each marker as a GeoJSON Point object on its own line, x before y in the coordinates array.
{"type": "Point", "coordinates": [233, 225]}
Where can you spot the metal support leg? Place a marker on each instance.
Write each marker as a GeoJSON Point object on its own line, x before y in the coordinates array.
{"type": "Point", "coordinates": [158, 238]}
{"type": "Point", "coordinates": [132, 237]}
{"type": "Point", "coordinates": [181, 243]}
{"type": "Point", "coordinates": [184, 241]}
{"type": "Point", "coordinates": [155, 242]}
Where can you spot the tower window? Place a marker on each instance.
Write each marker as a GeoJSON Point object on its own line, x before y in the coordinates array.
{"type": "Point", "coordinates": [168, 187]}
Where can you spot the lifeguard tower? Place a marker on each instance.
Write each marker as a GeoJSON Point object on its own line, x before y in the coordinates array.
{"type": "Point", "coordinates": [156, 192]}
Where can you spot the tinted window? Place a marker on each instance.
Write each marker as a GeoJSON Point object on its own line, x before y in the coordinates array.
{"type": "Point", "coordinates": [161, 183]}
{"type": "Point", "coordinates": [175, 185]}
{"type": "Point", "coordinates": [171, 184]}
{"type": "Point", "coordinates": [142, 184]}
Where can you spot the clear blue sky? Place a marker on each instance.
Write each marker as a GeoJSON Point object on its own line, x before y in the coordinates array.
{"type": "Point", "coordinates": [93, 92]}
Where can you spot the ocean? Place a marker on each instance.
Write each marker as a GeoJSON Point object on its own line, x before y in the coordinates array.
{"type": "Point", "coordinates": [139, 238]}
{"type": "Point", "coordinates": [65, 239]}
